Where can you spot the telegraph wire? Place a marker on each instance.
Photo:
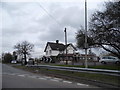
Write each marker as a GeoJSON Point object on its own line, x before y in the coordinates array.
{"type": "Point", "coordinates": [49, 14]}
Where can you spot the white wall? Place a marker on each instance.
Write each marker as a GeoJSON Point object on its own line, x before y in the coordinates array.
{"type": "Point", "coordinates": [48, 51]}
{"type": "Point", "coordinates": [70, 50]}
{"type": "Point", "coordinates": [54, 53]}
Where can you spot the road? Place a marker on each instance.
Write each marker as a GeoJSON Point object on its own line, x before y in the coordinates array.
{"type": "Point", "coordinates": [16, 78]}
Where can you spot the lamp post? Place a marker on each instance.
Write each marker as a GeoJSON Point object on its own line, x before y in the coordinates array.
{"type": "Point", "coordinates": [66, 44]}
{"type": "Point", "coordinates": [86, 45]}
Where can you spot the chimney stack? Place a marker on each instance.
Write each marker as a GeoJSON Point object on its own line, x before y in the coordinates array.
{"type": "Point", "coordinates": [57, 41]}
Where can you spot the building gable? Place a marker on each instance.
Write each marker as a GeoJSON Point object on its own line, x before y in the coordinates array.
{"type": "Point", "coordinates": [70, 46]}
{"type": "Point", "coordinates": [55, 46]}
{"type": "Point", "coordinates": [53, 49]}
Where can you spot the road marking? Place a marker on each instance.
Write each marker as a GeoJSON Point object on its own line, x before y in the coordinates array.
{"type": "Point", "coordinates": [48, 77]}
{"type": "Point", "coordinates": [58, 78]}
{"type": "Point", "coordinates": [32, 76]}
{"type": "Point", "coordinates": [67, 82]}
{"type": "Point", "coordinates": [54, 80]}
{"type": "Point", "coordinates": [82, 84]}
{"type": "Point", "coordinates": [26, 74]}
{"type": "Point", "coordinates": [21, 75]}
{"type": "Point", "coordinates": [42, 78]}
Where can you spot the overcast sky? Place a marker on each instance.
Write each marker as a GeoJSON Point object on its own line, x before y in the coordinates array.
{"type": "Point", "coordinates": [42, 22]}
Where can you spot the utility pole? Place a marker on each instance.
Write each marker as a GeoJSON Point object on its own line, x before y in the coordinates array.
{"type": "Point", "coordinates": [86, 44]}
{"type": "Point", "coordinates": [66, 44]}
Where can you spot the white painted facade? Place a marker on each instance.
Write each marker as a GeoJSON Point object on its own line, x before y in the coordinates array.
{"type": "Point", "coordinates": [70, 50]}
{"type": "Point", "coordinates": [54, 53]}
{"type": "Point", "coordinates": [50, 52]}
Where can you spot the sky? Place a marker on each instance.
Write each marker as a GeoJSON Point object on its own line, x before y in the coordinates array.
{"type": "Point", "coordinates": [42, 21]}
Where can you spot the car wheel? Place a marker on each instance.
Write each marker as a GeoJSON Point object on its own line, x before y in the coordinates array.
{"type": "Point", "coordinates": [118, 62]}
{"type": "Point", "coordinates": [103, 62]}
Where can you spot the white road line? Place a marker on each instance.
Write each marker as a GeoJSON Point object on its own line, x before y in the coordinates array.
{"type": "Point", "coordinates": [26, 74]}
{"type": "Point", "coordinates": [58, 78]}
{"type": "Point", "coordinates": [42, 78]}
{"type": "Point", "coordinates": [21, 75]}
{"type": "Point", "coordinates": [82, 84]}
{"type": "Point", "coordinates": [32, 76]}
{"type": "Point", "coordinates": [48, 77]}
{"type": "Point", "coordinates": [67, 82]}
{"type": "Point", "coordinates": [54, 80]}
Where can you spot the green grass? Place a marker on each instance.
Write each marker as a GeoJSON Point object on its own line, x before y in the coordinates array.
{"type": "Point", "coordinates": [91, 76]}
{"type": "Point", "coordinates": [110, 67]}
{"type": "Point", "coordinates": [107, 66]}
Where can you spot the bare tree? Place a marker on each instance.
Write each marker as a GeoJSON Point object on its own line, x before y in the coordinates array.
{"type": "Point", "coordinates": [24, 48]}
{"type": "Point", "coordinates": [105, 28]}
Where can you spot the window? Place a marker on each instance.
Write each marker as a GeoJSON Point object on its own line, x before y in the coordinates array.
{"type": "Point", "coordinates": [61, 52]}
{"type": "Point", "coordinates": [105, 58]}
{"type": "Point", "coordinates": [111, 58]}
{"type": "Point", "coordinates": [46, 52]}
{"type": "Point", "coordinates": [50, 52]}
{"type": "Point", "coordinates": [71, 58]}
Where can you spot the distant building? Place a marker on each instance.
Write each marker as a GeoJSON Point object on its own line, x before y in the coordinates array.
{"type": "Point", "coordinates": [53, 49]}
{"type": "Point", "coordinates": [57, 52]}
{"type": "Point", "coordinates": [56, 49]}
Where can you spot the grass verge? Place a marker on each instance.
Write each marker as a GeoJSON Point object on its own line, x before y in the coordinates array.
{"type": "Point", "coordinates": [109, 67]}
{"type": "Point", "coordinates": [106, 66]}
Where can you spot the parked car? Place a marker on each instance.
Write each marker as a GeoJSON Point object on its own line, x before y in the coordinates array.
{"type": "Point", "coordinates": [109, 59]}
{"type": "Point", "coordinates": [14, 61]}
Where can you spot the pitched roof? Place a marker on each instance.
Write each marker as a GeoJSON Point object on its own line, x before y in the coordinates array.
{"type": "Point", "coordinates": [57, 46]}
{"type": "Point", "coordinates": [71, 45]}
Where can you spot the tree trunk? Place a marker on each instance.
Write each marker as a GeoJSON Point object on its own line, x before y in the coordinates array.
{"type": "Point", "coordinates": [25, 59]}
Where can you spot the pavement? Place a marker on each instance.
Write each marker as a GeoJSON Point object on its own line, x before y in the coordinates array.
{"type": "Point", "coordinates": [17, 78]}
